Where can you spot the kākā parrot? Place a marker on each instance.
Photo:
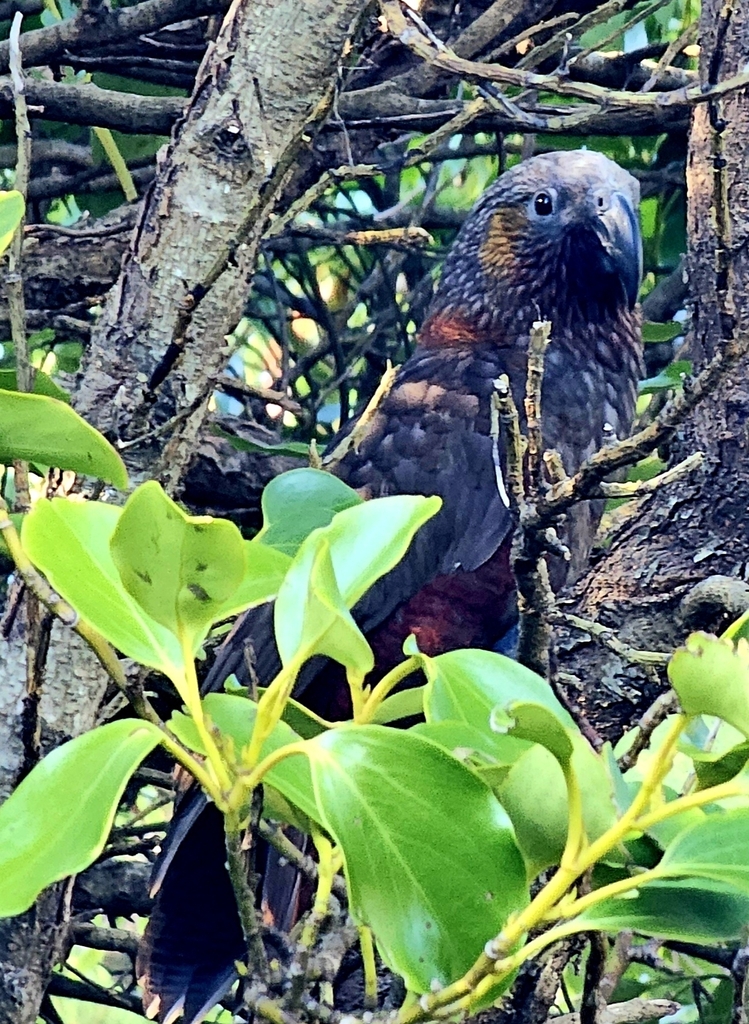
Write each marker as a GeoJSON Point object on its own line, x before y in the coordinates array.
{"type": "Point", "coordinates": [555, 238]}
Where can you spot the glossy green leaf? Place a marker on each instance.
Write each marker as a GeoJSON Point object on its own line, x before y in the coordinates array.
{"type": "Point", "coordinates": [738, 629]}
{"type": "Point", "coordinates": [477, 687]}
{"type": "Point", "coordinates": [42, 429]}
{"type": "Point", "coordinates": [713, 769]}
{"type": "Point", "coordinates": [43, 385]}
{"type": "Point", "coordinates": [334, 568]}
{"type": "Point", "coordinates": [534, 722]}
{"type": "Point", "coordinates": [298, 502]}
{"type": "Point", "coordinates": [468, 685]}
{"type": "Point", "coordinates": [12, 209]}
{"type": "Point", "coordinates": [184, 571]}
{"type": "Point", "coordinates": [264, 573]}
{"type": "Point", "coordinates": [57, 820]}
{"type": "Point", "coordinates": [711, 677]}
{"type": "Point", "coordinates": [311, 616]}
{"type": "Point", "coordinates": [234, 717]}
{"type": "Point", "coordinates": [534, 794]}
{"type": "Point", "coordinates": [70, 542]}
{"type": "Point", "coordinates": [690, 911]}
{"type": "Point", "coordinates": [430, 857]}
{"type": "Point", "coordinates": [404, 704]}
{"type": "Point", "coordinates": [713, 848]}
{"type": "Point", "coordinates": [463, 740]}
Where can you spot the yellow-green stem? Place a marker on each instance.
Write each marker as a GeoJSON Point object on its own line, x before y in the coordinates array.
{"type": "Point", "coordinates": [192, 765]}
{"type": "Point", "coordinates": [576, 838]}
{"type": "Point", "coordinates": [386, 685]}
{"type": "Point", "coordinates": [325, 876]}
{"type": "Point", "coordinates": [216, 764]}
{"type": "Point", "coordinates": [366, 945]}
{"type": "Point", "coordinates": [117, 161]}
{"type": "Point", "coordinates": [575, 907]}
{"type": "Point", "coordinates": [356, 688]}
{"type": "Point", "coordinates": [687, 803]}
{"type": "Point", "coordinates": [255, 777]}
{"type": "Point", "coordinates": [269, 710]}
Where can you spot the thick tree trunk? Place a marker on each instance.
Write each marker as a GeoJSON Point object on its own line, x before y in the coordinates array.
{"type": "Point", "coordinates": [695, 529]}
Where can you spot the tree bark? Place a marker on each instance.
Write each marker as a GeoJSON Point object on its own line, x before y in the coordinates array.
{"type": "Point", "coordinates": [694, 530]}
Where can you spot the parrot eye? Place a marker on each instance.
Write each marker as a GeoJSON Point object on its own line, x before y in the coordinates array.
{"type": "Point", "coordinates": [543, 204]}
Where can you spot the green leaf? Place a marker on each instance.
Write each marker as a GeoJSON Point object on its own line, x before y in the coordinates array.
{"type": "Point", "coordinates": [311, 616]}
{"type": "Point", "coordinates": [184, 571]}
{"type": "Point", "coordinates": [713, 769]}
{"type": "Point", "coordinates": [70, 542]}
{"type": "Point", "coordinates": [43, 385]}
{"type": "Point", "coordinates": [404, 704]}
{"type": "Point", "coordinates": [57, 820]}
{"type": "Point", "coordinates": [42, 429]}
{"type": "Point", "coordinates": [534, 722]}
{"type": "Point", "coordinates": [534, 794]}
{"type": "Point", "coordinates": [12, 209]}
{"type": "Point", "coordinates": [298, 502]}
{"type": "Point", "coordinates": [738, 629]}
{"type": "Point", "coordinates": [476, 687]}
{"type": "Point", "coordinates": [711, 677]}
{"type": "Point", "coordinates": [402, 811]}
{"type": "Point", "coordinates": [689, 911]}
{"type": "Point", "coordinates": [463, 740]}
{"type": "Point", "coordinates": [234, 717]}
{"type": "Point", "coordinates": [468, 685]}
{"type": "Point", "coordinates": [333, 569]}
{"type": "Point", "coordinates": [672, 376]}
{"type": "Point", "coordinates": [302, 720]}
{"type": "Point", "coordinates": [654, 332]}
{"type": "Point", "coordinates": [242, 444]}
{"type": "Point", "coordinates": [713, 848]}
{"type": "Point", "coordinates": [266, 569]}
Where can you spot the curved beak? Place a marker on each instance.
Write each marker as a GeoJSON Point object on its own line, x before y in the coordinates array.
{"type": "Point", "coordinates": [618, 231]}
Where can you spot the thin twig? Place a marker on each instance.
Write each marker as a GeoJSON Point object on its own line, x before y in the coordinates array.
{"type": "Point", "coordinates": [608, 638]}
{"type": "Point", "coordinates": [509, 423]}
{"type": "Point", "coordinates": [235, 386]}
{"type": "Point", "coordinates": [658, 712]}
{"type": "Point", "coordinates": [585, 483]}
{"type": "Point", "coordinates": [274, 835]}
{"type": "Point", "coordinates": [638, 488]}
{"type": "Point", "coordinates": [364, 423]}
{"type": "Point", "coordinates": [244, 883]}
{"type": "Point", "coordinates": [540, 336]}
{"type": "Point", "coordinates": [687, 36]}
{"type": "Point", "coordinates": [14, 278]}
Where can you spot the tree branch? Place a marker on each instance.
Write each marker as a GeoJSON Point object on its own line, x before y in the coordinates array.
{"type": "Point", "coordinates": [105, 25]}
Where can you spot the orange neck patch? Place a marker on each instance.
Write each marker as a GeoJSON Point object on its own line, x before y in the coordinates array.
{"type": "Point", "coordinates": [497, 254]}
{"type": "Point", "coordinates": [447, 329]}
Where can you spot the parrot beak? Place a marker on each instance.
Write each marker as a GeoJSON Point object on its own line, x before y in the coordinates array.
{"type": "Point", "coordinates": [618, 231]}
